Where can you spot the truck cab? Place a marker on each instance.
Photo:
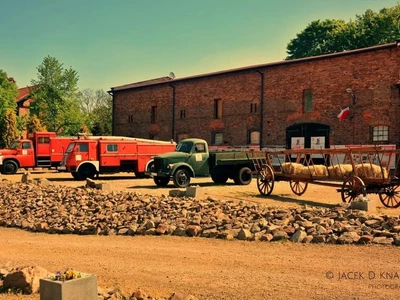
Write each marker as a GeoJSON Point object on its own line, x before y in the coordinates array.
{"type": "Point", "coordinates": [190, 159]}
{"type": "Point", "coordinates": [40, 149]}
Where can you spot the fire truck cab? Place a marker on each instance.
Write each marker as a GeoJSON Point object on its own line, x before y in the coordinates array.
{"type": "Point", "coordinates": [40, 149]}
{"type": "Point", "coordinates": [87, 158]}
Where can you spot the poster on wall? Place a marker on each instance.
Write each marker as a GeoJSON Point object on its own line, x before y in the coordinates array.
{"type": "Point", "coordinates": [297, 142]}
{"type": "Point", "coordinates": [317, 142]}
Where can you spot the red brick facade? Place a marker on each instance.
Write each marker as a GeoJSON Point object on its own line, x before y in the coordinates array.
{"type": "Point", "coordinates": [372, 74]}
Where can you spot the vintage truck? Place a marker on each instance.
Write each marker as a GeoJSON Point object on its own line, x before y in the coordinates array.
{"type": "Point", "coordinates": [90, 156]}
{"type": "Point", "coordinates": [40, 149]}
{"type": "Point", "coordinates": [192, 158]}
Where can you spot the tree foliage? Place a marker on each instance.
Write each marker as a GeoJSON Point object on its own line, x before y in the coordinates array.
{"type": "Point", "coordinates": [8, 93]}
{"type": "Point", "coordinates": [56, 101]}
{"type": "Point", "coordinates": [96, 106]}
{"type": "Point", "coordinates": [329, 36]}
{"type": "Point", "coordinates": [8, 128]}
{"type": "Point", "coordinates": [33, 124]}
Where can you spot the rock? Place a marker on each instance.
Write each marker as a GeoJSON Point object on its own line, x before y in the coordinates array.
{"type": "Point", "coordinates": [365, 239]}
{"type": "Point", "coordinates": [348, 238]}
{"type": "Point", "coordinates": [280, 235]}
{"type": "Point", "coordinates": [382, 240]}
{"type": "Point", "coordinates": [396, 241]}
{"type": "Point", "coordinates": [266, 237]}
{"type": "Point", "coordinates": [25, 278]}
{"type": "Point", "coordinates": [244, 235]}
{"type": "Point", "coordinates": [26, 177]}
{"type": "Point", "coordinates": [298, 236]}
{"type": "Point", "coordinates": [307, 239]}
{"type": "Point", "coordinates": [193, 230]}
{"type": "Point", "coordinates": [90, 183]}
{"type": "Point", "coordinates": [318, 239]}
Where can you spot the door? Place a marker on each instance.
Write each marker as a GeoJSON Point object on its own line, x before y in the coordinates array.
{"type": "Point", "coordinates": [199, 159]}
{"type": "Point", "coordinates": [308, 135]}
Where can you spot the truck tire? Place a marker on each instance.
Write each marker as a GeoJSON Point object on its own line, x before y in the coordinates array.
{"type": "Point", "coordinates": [75, 175]}
{"type": "Point", "coordinates": [243, 176]}
{"type": "Point", "coordinates": [9, 167]}
{"type": "Point", "coordinates": [86, 171]}
{"type": "Point", "coordinates": [181, 178]}
{"type": "Point", "coordinates": [219, 177]}
{"type": "Point", "coordinates": [161, 181]}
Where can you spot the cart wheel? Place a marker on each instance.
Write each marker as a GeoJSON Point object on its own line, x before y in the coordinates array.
{"type": "Point", "coordinates": [298, 187]}
{"type": "Point", "coordinates": [391, 197]}
{"type": "Point", "coordinates": [265, 180]}
{"type": "Point", "coordinates": [351, 188]}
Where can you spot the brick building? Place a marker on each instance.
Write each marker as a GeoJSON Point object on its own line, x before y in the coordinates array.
{"type": "Point", "coordinates": [271, 104]}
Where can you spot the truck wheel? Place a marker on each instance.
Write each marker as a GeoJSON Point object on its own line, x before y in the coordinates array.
{"type": "Point", "coordinates": [86, 171]}
{"type": "Point", "coordinates": [10, 167]}
{"type": "Point", "coordinates": [219, 177]}
{"type": "Point", "coordinates": [181, 178]}
{"type": "Point", "coordinates": [161, 181]}
{"type": "Point", "coordinates": [243, 177]}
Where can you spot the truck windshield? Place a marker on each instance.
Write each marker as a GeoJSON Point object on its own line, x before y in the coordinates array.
{"type": "Point", "coordinates": [15, 145]}
{"type": "Point", "coordinates": [70, 147]}
{"type": "Point", "coordinates": [184, 147]}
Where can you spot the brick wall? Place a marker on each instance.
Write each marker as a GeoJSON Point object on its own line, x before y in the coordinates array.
{"type": "Point", "coordinates": [372, 75]}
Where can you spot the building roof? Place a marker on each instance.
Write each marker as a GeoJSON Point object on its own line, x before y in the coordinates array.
{"type": "Point", "coordinates": [164, 80]}
{"type": "Point", "coordinates": [25, 93]}
{"type": "Point", "coordinates": [141, 83]}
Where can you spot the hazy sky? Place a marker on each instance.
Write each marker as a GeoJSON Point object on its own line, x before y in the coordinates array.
{"type": "Point", "coordinates": [115, 42]}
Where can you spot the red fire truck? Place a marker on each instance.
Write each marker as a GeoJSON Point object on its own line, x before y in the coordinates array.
{"type": "Point", "coordinates": [40, 149]}
{"type": "Point", "coordinates": [89, 157]}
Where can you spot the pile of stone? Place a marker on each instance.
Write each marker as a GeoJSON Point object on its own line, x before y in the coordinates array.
{"type": "Point", "coordinates": [64, 210]}
{"type": "Point", "coordinates": [26, 280]}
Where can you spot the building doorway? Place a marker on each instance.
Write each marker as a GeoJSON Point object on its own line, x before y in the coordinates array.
{"type": "Point", "coordinates": [308, 135]}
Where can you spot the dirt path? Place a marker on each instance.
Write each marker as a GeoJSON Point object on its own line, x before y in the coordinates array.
{"type": "Point", "coordinates": [213, 269]}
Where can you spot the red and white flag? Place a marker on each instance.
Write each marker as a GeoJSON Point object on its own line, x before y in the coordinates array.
{"type": "Point", "coordinates": [344, 113]}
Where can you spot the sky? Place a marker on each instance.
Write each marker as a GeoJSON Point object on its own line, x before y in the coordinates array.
{"type": "Point", "coordinates": [115, 42]}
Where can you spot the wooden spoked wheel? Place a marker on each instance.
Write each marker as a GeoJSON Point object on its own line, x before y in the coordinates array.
{"type": "Point", "coordinates": [298, 187]}
{"type": "Point", "coordinates": [265, 180]}
{"type": "Point", "coordinates": [391, 196]}
{"type": "Point", "coordinates": [351, 188]}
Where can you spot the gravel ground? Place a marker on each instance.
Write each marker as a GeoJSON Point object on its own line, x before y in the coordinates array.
{"type": "Point", "coordinates": [208, 268]}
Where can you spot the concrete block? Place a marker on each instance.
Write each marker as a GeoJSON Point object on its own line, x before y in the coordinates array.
{"type": "Point", "coordinates": [195, 192]}
{"type": "Point", "coordinates": [84, 288]}
{"type": "Point", "coordinates": [369, 206]}
{"type": "Point", "coordinates": [103, 186]}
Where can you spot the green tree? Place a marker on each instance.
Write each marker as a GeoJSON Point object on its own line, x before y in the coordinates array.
{"type": "Point", "coordinates": [56, 101]}
{"type": "Point", "coordinates": [8, 94]}
{"type": "Point", "coordinates": [33, 124]}
{"type": "Point", "coordinates": [329, 36]}
{"type": "Point", "coordinates": [96, 106]}
{"type": "Point", "coordinates": [8, 128]}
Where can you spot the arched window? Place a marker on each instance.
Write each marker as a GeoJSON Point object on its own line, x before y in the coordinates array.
{"type": "Point", "coordinates": [254, 137]}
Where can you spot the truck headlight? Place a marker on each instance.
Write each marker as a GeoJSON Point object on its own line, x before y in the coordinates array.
{"type": "Point", "coordinates": [169, 167]}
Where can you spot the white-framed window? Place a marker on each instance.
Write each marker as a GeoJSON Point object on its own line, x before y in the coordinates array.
{"type": "Point", "coordinates": [217, 138]}
{"type": "Point", "coordinates": [112, 148]}
{"type": "Point", "coordinates": [254, 137]}
{"type": "Point", "coordinates": [380, 133]}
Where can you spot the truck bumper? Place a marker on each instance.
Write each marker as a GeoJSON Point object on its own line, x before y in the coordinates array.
{"type": "Point", "coordinates": [158, 174]}
{"type": "Point", "coordinates": [62, 169]}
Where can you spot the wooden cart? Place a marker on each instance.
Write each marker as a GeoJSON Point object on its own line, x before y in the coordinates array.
{"type": "Point", "coordinates": [354, 171]}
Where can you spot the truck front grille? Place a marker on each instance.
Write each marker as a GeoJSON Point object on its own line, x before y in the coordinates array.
{"type": "Point", "coordinates": [158, 164]}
